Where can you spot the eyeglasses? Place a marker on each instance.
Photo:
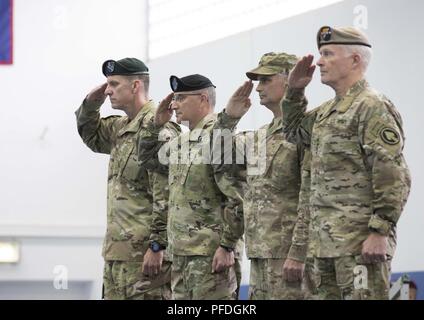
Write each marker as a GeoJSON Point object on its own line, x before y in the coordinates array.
{"type": "Point", "coordinates": [181, 97]}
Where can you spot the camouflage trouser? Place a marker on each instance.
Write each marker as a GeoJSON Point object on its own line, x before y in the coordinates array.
{"type": "Point", "coordinates": [309, 281]}
{"type": "Point", "coordinates": [237, 269]}
{"type": "Point", "coordinates": [349, 278]}
{"type": "Point", "coordinates": [125, 280]}
{"type": "Point", "coordinates": [266, 281]}
{"type": "Point", "coordinates": [192, 279]}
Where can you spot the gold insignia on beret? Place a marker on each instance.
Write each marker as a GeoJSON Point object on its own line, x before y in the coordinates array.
{"type": "Point", "coordinates": [325, 33]}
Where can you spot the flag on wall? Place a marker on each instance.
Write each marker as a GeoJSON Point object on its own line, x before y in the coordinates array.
{"type": "Point", "coordinates": [6, 31]}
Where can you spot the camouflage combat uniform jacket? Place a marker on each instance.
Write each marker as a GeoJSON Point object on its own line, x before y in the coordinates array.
{"type": "Point", "coordinates": [135, 196]}
{"type": "Point", "coordinates": [205, 209]}
{"type": "Point", "coordinates": [272, 192]}
{"type": "Point", "coordinates": [359, 180]}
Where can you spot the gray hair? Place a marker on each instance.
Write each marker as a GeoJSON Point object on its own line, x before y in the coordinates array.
{"type": "Point", "coordinates": [363, 51]}
{"type": "Point", "coordinates": [211, 95]}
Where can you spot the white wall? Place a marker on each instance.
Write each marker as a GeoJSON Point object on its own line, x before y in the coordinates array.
{"type": "Point", "coordinates": [53, 191]}
{"type": "Point", "coordinates": [49, 177]}
{"type": "Point", "coordinates": [53, 188]}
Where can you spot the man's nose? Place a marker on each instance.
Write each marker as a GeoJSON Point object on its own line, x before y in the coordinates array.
{"type": "Point", "coordinates": [108, 91]}
{"type": "Point", "coordinates": [174, 105]}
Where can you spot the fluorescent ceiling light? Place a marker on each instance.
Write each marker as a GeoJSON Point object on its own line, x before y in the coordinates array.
{"type": "Point", "coordinates": [9, 252]}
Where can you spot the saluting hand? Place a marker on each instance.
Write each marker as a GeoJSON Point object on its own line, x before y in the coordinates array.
{"type": "Point", "coordinates": [301, 75]}
{"type": "Point", "coordinates": [239, 102]}
{"type": "Point", "coordinates": [164, 111]}
{"type": "Point", "coordinates": [97, 95]}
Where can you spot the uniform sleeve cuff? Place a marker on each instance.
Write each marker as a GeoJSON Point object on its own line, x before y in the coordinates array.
{"type": "Point", "coordinates": [379, 225]}
{"type": "Point", "coordinates": [295, 94]}
{"type": "Point", "coordinates": [297, 252]}
{"type": "Point", "coordinates": [154, 129]}
{"type": "Point", "coordinates": [228, 244]}
{"type": "Point", "coordinates": [91, 105]}
{"type": "Point", "coordinates": [225, 121]}
{"type": "Point", "coordinates": [158, 238]}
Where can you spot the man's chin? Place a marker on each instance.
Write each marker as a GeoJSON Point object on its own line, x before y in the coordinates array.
{"type": "Point", "coordinates": [324, 80]}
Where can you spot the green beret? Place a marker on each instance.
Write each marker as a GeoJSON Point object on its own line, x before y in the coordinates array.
{"type": "Point", "coordinates": [272, 63]}
{"type": "Point", "coordinates": [124, 67]}
{"type": "Point", "coordinates": [345, 35]}
{"type": "Point", "coordinates": [189, 83]}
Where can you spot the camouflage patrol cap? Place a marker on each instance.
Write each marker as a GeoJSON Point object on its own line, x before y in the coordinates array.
{"type": "Point", "coordinates": [344, 35]}
{"type": "Point", "coordinates": [189, 83]}
{"type": "Point", "coordinates": [272, 63]}
{"type": "Point", "coordinates": [124, 67]}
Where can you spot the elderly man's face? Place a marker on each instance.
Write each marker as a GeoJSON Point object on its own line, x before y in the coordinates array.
{"type": "Point", "coordinates": [335, 64]}
{"type": "Point", "coordinates": [187, 106]}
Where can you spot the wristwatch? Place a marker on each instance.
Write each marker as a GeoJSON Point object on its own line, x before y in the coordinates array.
{"type": "Point", "coordinates": [156, 247]}
{"type": "Point", "coordinates": [228, 249]}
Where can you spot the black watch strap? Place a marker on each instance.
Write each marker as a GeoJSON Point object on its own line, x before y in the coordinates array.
{"type": "Point", "coordinates": [228, 249]}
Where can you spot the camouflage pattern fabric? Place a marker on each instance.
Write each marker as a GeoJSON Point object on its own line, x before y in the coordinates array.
{"type": "Point", "coordinates": [192, 279]}
{"type": "Point", "coordinates": [125, 281]}
{"type": "Point", "coordinates": [271, 194]}
{"type": "Point", "coordinates": [309, 284]}
{"type": "Point", "coordinates": [136, 197]}
{"type": "Point", "coordinates": [359, 183]}
{"type": "Point", "coordinates": [205, 209]}
{"type": "Point", "coordinates": [270, 200]}
{"type": "Point", "coordinates": [266, 281]}
{"type": "Point", "coordinates": [349, 278]}
{"type": "Point", "coordinates": [359, 178]}
{"type": "Point", "coordinates": [134, 193]}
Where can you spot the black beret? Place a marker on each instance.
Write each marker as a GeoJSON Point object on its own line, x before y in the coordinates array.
{"type": "Point", "coordinates": [124, 67]}
{"type": "Point", "coordinates": [189, 83]}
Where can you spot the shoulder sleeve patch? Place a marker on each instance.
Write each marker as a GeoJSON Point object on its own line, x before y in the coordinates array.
{"type": "Point", "coordinates": [389, 136]}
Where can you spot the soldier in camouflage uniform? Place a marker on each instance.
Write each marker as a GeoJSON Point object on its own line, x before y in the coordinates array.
{"type": "Point", "coordinates": [271, 198]}
{"type": "Point", "coordinates": [136, 196]}
{"type": "Point", "coordinates": [205, 209]}
{"type": "Point", "coordinates": [359, 180]}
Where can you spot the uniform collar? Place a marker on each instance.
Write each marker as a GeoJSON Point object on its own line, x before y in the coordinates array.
{"type": "Point", "coordinates": [275, 125]}
{"type": "Point", "coordinates": [206, 122]}
{"type": "Point", "coordinates": [342, 104]}
{"type": "Point", "coordinates": [134, 125]}
{"type": "Point", "coordinates": [352, 93]}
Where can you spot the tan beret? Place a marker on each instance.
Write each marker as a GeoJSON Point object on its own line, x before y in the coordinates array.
{"type": "Point", "coordinates": [344, 35]}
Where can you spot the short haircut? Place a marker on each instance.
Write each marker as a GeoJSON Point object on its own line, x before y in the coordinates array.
{"type": "Point", "coordinates": [363, 51]}
{"type": "Point", "coordinates": [144, 78]}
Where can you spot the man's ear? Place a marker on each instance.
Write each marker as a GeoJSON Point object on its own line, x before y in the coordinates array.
{"type": "Point", "coordinates": [205, 98]}
{"type": "Point", "coordinates": [137, 85]}
{"type": "Point", "coordinates": [356, 60]}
